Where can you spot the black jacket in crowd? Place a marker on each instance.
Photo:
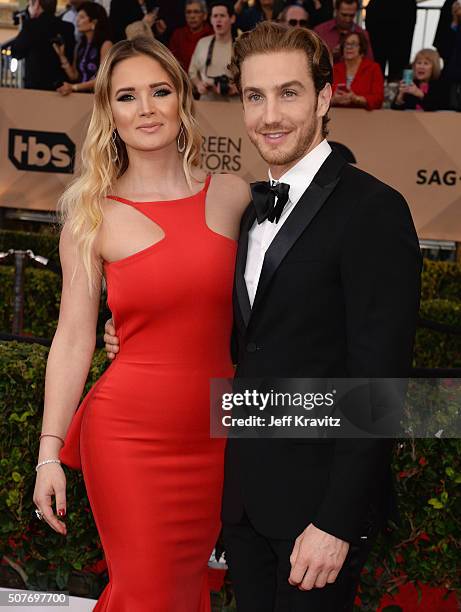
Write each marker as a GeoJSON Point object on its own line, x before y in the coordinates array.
{"type": "Point", "coordinates": [34, 43]}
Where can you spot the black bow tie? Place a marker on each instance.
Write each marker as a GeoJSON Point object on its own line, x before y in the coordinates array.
{"type": "Point", "coordinates": [264, 200]}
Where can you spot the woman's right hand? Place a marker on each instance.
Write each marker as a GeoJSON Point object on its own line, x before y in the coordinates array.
{"type": "Point", "coordinates": [149, 18]}
{"type": "Point", "coordinates": [50, 481]}
{"type": "Point", "coordinates": [403, 89]}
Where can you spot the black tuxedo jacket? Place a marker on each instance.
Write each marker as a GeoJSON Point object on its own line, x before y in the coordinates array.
{"type": "Point", "coordinates": [338, 296]}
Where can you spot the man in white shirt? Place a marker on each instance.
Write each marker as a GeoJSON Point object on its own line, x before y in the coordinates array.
{"type": "Point", "coordinates": [208, 67]}
{"type": "Point", "coordinates": [299, 177]}
{"type": "Point", "coordinates": [316, 295]}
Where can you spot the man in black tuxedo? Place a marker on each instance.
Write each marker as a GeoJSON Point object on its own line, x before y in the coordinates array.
{"type": "Point", "coordinates": [327, 285]}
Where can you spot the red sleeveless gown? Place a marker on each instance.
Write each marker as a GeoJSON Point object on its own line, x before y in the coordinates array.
{"type": "Point", "coordinates": [141, 435]}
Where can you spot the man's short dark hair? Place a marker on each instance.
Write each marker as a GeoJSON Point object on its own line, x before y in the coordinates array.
{"type": "Point", "coordinates": [271, 37]}
{"type": "Point", "coordinates": [228, 5]}
{"type": "Point", "coordinates": [48, 6]}
{"type": "Point", "coordinates": [339, 2]}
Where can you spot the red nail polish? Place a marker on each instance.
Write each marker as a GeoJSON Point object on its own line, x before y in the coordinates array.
{"type": "Point", "coordinates": [61, 512]}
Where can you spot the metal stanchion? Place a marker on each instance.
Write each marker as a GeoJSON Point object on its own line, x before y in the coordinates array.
{"type": "Point", "coordinates": [18, 286]}
{"type": "Point", "coordinates": [18, 292]}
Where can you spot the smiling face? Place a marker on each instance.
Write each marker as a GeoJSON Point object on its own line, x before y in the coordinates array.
{"type": "Point", "coordinates": [282, 112]}
{"type": "Point", "coordinates": [144, 104]}
{"type": "Point", "coordinates": [423, 69]}
{"type": "Point", "coordinates": [221, 20]}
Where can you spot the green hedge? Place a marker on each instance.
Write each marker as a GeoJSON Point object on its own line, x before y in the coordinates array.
{"type": "Point", "coordinates": [441, 302]}
{"type": "Point", "coordinates": [42, 296]}
{"type": "Point", "coordinates": [45, 244]}
{"type": "Point", "coordinates": [441, 280]}
{"type": "Point", "coordinates": [43, 555]}
{"type": "Point", "coordinates": [435, 349]}
{"type": "Point", "coordinates": [425, 548]}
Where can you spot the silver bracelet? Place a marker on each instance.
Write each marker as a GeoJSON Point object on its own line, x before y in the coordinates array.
{"type": "Point", "coordinates": [47, 461]}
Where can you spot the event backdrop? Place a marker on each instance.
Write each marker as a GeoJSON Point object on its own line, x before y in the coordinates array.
{"type": "Point", "coordinates": [417, 153]}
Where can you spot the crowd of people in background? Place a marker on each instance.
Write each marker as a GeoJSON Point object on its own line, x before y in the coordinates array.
{"type": "Point", "coordinates": [63, 52]}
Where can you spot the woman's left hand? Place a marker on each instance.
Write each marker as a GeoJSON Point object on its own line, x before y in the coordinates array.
{"type": "Point", "coordinates": [65, 89]}
{"type": "Point", "coordinates": [414, 90]}
{"type": "Point", "coordinates": [343, 98]}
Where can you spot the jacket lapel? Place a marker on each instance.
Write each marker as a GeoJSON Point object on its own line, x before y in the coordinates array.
{"type": "Point", "coordinates": [241, 292]}
{"type": "Point", "coordinates": [305, 210]}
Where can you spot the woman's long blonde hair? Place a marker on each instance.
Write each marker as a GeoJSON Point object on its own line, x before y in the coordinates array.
{"type": "Point", "coordinates": [80, 206]}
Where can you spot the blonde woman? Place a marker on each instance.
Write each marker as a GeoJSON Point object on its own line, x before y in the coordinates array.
{"type": "Point", "coordinates": [426, 92]}
{"type": "Point", "coordinates": [144, 217]}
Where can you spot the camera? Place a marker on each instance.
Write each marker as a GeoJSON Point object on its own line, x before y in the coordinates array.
{"type": "Point", "coordinates": [222, 82]}
{"type": "Point", "coordinates": [57, 40]}
{"type": "Point", "coordinates": [18, 16]}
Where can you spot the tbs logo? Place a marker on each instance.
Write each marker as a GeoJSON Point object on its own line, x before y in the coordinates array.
{"type": "Point", "coordinates": [41, 151]}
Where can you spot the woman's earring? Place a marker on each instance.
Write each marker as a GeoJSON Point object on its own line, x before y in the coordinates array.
{"type": "Point", "coordinates": [181, 141]}
{"type": "Point", "coordinates": [113, 145]}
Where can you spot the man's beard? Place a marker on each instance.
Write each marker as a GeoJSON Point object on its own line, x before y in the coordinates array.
{"type": "Point", "coordinates": [286, 157]}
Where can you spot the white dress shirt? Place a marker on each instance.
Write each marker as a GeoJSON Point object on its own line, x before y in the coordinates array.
{"type": "Point", "coordinates": [299, 177]}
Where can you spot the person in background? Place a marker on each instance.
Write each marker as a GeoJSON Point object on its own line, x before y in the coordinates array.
{"type": "Point", "coordinates": [249, 16]}
{"type": "Point", "coordinates": [390, 24]}
{"type": "Point", "coordinates": [358, 82]}
{"type": "Point", "coordinates": [124, 12]}
{"type": "Point", "coordinates": [427, 92]}
{"type": "Point", "coordinates": [171, 12]}
{"type": "Point", "coordinates": [137, 29]}
{"type": "Point", "coordinates": [295, 15]}
{"type": "Point", "coordinates": [184, 40]}
{"type": "Point", "coordinates": [94, 45]}
{"type": "Point", "coordinates": [443, 35]}
{"type": "Point", "coordinates": [334, 32]}
{"type": "Point", "coordinates": [105, 4]}
{"type": "Point", "coordinates": [34, 43]}
{"type": "Point", "coordinates": [323, 11]}
{"type": "Point", "coordinates": [208, 68]}
{"type": "Point", "coordinates": [452, 52]}
{"type": "Point", "coordinates": [70, 15]}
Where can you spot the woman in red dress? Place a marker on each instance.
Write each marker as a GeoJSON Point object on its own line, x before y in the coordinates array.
{"type": "Point", "coordinates": [142, 216]}
{"type": "Point", "coordinates": [358, 82]}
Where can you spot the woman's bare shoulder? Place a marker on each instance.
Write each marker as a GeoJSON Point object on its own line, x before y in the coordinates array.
{"type": "Point", "coordinates": [232, 189]}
